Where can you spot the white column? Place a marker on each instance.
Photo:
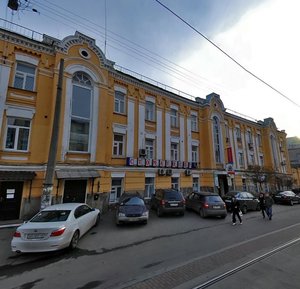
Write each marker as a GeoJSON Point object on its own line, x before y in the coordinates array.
{"type": "Point", "coordinates": [130, 128]}
{"type": "Point", "coordinates": [189, 139]}
{"type": "Point", "coordinates": [4, 79]}
{"type": "Point", "coordinates": [141, 126]}
{"type": "Point", "coordinates": [94, 124]}
{"type": "Point", "coordinates": [168, 136]}
{"type": "Point", "coordinates": [182, 137]}
{"type": "Point", "coordinates": [159, 135]}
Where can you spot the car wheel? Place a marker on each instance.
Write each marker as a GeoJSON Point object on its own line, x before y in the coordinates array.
{"type": "Point", "coordinates": [244, 209]}
{"type": "Point", "coordinates": [74, 241]}
{"type": "Point", "coordinates": [158, 212]}
{"type": "Point", "coordinates": [291, 203]}
{"type": "Point", "coordinates": [223, 216]}
{"type": "Point", "coordinates": [97, 220]}
{"type": "Point", "coordinates": [182, 214]}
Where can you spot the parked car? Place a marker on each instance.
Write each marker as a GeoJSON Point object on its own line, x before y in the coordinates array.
{"type": "Point", "coordinates": [287, 197]}
{"type": "Point", "coordinates": [131, 209]}
{"type": "Point", "coordinates": [168, 201]}
{"type": "Point", "coordinates": [206, 204]}
{"type": "Point", "coordinates": [54, 228]}
{"type": "Point", "coordinates": [248, 202]}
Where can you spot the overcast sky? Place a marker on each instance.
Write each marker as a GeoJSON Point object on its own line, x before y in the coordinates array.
{"type": "Point", "coordinates": [141, 35]}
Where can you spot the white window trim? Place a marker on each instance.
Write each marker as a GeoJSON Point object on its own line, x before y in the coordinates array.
{"type": "Point", "coordinates": [120, 89]}
{"type": "Point", "coordinates": [27, 59]}
{"type": "Point", "coordinates": [119, 128]}
{"type": "Point", "coordinates": [20, 112]}
{"type": "Point", "coordinates": [150, 99]}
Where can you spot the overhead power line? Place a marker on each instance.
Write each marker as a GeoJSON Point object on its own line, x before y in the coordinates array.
{"type": "Point", "coordinates": [226, 54]}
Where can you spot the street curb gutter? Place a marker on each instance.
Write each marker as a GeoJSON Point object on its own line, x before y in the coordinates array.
{"type": "Point", "coordinates": [9, 226]}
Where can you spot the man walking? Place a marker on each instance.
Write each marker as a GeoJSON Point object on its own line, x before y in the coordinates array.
{"type": "Point", "coordinates": [269, 203]}
{"type": "Point", "coordinates": [262, 204]}
{"type": "Point", "coordinates": [235, 209]}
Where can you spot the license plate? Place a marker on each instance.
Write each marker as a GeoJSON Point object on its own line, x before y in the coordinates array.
{"type": "Point", "coordinates": [217, 207]}
{"type": "Point", "coordinates": [173, 205]}
{"type": "Point", "coordinates": [32, 236]}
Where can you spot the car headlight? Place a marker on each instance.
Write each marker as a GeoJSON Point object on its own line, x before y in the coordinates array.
{"type": "Point", "coordinates": [121, 215]}
{"type": "Point", "coordinates": [145, 214]}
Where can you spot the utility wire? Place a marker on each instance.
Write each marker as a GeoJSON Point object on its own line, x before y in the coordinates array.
{"type": "Point", "coordinates": [230, 57]}
{"type": "Point", "coordinates": [149, 55]}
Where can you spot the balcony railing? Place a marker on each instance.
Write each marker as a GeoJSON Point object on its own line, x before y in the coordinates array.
{"type": "Point", "coordinates": [10, 26]}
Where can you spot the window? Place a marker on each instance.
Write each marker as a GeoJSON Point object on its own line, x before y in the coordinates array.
{"type": "Point", "coordinates": [194, 122]}
{"type": "Point", "coordinates": [119, 102]}
{"type": "Point", "coordinates": [149, 149]}
{"type": "Point", "coordinates": [174, 117]}
{"type": "Point", "coordinates": [251, 159]}
{"type": "Point", "coordinates": [249, 137]}
{"type": "Point", "coordinates": [259, 140]}
{"type": "Point", "coordinates": [24, 77]}
{"type": "Point", "coordinates": [150, 111]}
{"type": "Point", "coordinates": [118, 145]}
{"type": "Point", "coordinates": [175, 183]}
{"type": "Point", "coordinates": [194, 154]}
{"type": "Point", "coordinates": [195, 184]}
{"type": "Point", "coordinates": [238, 133]}
{"type": "Point", "coordinates": [241, 159]}
{"type": "Point", "coordinates": [261, 161]}
{"type": "Point", "coordinates": [217, 145]}
{"type": "Point", "coordinates": [174, 151]}
{"type": "Point", "coordinates": [149, 187]}
{"type": "Point", "coordinates": [116, 189]}
{"type": "Point", "coordinates": [17, 135]}
{"type": "Point", "coordinates": [80, 113]}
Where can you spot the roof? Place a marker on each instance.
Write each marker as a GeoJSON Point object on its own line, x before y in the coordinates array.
{"type": "Point", "coordinates": [77, 174]}
{"type": "Point", "coordinates": [17, 175]}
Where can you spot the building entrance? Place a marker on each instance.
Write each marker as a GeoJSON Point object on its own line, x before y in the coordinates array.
{"type": "Point", "coordinates": [75, 191]}
{"type": "Point", "coordinates": [10, 200]}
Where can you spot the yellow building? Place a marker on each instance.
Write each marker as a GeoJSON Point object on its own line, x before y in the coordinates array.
{"type": "Point", "coordinates": [116, 132]}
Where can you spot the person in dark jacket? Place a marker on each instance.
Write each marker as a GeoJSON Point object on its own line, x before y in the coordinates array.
{"type": "Point", "coordinates": [262, 204]}
{"type": "Point", "coordinates": [269, 203]}
{"type": "Point", "coordinates": [235, 210]}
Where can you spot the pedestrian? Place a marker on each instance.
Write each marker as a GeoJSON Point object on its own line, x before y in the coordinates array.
{"type": "Point", "coordinates": [262, 204]}
{"type": "Point", "coordinates": [269, 203]}
{"type": "Point", "coordinates": [235, 211]}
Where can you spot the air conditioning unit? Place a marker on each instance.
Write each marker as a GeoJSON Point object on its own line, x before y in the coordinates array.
{"type": "Point", "coordinates": [188, 172]}
{"type": "Point", "coordinates": [161, 172]}
{"type": "Point", "coordinates": [142, 152]}
{"type": "Point", "coordinates": [169, 172]}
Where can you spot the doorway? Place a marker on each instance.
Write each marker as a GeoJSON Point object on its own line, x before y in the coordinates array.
{"type": "Point", "coordinates": [10, 200]}
{"type": "Point", "coordinates": [75, 191]}
{"type": "Point", "coordinates": [223, 185]}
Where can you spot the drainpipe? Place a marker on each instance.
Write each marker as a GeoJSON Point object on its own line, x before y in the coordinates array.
{"type": "Point", "coordinates": [48, 184]}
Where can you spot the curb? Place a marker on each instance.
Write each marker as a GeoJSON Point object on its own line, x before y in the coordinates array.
{"type": "Point", "coordinates": [9, 226]}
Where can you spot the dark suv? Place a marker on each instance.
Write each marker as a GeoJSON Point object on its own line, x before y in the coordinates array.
{"type": "Point", "coordinates": [166, 201]}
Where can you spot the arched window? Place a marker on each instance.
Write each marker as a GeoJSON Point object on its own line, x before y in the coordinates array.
{"type": "Point", "coordinates": [80, 112]}
{"type": "Point", "coordinates": [217, 144]}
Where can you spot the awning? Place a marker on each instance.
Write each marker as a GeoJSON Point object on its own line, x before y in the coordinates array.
{"type": "Point", "coordinates": [77, 174]}
{"type": "Point", "coordinates": [17, 175]}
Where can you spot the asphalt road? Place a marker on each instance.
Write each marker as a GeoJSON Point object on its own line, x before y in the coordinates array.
{"type": "Point", "coordinates": [169, 252]}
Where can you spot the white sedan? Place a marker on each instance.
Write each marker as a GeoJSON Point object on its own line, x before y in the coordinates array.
{"type": "Point", "coordinates": [54, 228]}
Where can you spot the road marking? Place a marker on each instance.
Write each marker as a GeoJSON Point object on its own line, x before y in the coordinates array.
{"type": "Point", "coordinates": [245, 265]}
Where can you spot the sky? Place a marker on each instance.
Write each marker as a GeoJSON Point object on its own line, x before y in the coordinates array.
{"type": "Point", "coordinates": [144, 37]}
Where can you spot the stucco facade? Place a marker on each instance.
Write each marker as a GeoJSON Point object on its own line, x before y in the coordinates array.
{"type": "Point", "coordinates": [116, 132]}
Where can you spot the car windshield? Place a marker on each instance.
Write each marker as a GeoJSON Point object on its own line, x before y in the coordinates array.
{"type": "Point", "coordinates": [51, 216]}
{"type": "Point", "coordinates": [213, 199]}
{"type": "Point", "coordinates": [173, 195]}
{"type": "Point", "coordinates": [135, 201]}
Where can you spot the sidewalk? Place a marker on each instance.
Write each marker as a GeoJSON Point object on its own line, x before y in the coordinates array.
{"type": "Point", "coordinates": [10, 223]}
